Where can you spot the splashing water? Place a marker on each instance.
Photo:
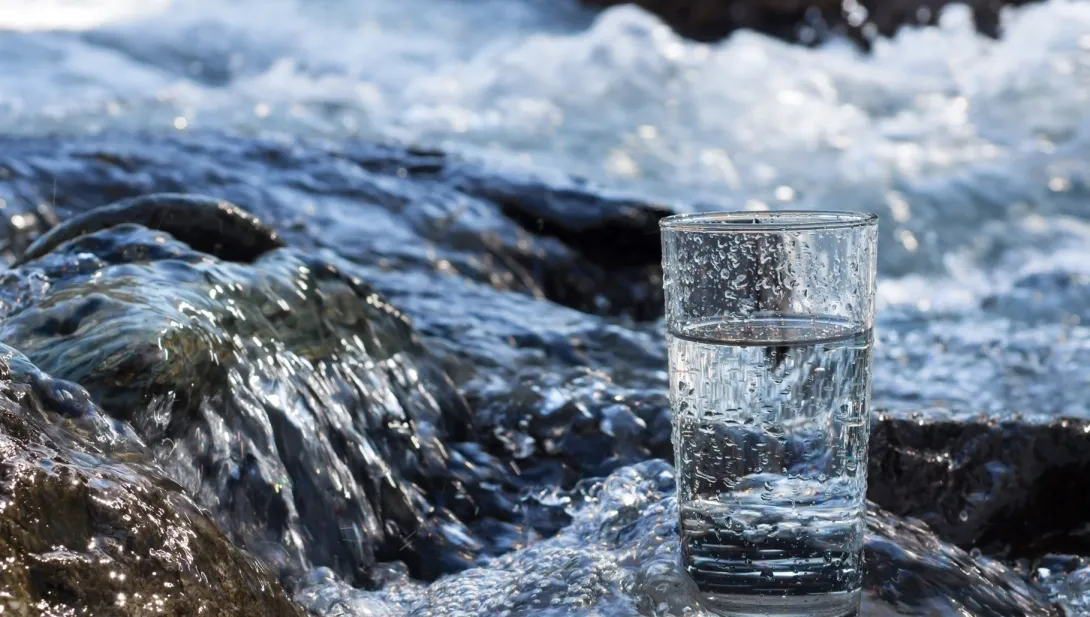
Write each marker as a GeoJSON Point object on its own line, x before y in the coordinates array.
{"type": "Point", "coordinates": [971, 149]}
{"type": "Point", "coordinates": [974, 152]}
{"type": "Point", "coordinates": [619, 557]}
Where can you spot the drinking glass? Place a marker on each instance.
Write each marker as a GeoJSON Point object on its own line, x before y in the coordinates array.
{"type": "Point", "coordinates": [769, 321]}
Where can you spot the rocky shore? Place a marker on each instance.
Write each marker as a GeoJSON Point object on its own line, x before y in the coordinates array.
{"type": "Point", "coordinates": [336, 359]}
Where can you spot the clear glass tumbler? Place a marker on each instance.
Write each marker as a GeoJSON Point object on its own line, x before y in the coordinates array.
{"type": "Point", "coordinates": [769, 319]}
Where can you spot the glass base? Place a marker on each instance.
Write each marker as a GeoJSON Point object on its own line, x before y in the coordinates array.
{"type": "Point", "coordinates": [840, 604]}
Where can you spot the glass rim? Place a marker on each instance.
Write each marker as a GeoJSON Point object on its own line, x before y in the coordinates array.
{"type": "Point", "coordinates": [742, 221]}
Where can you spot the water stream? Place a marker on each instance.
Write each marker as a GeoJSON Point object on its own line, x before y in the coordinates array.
{"type": "Point", "coordinates": [486, 417]}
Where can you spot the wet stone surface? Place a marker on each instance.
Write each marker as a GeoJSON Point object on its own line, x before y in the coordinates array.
{"type": "Point", "coordinates": [618, 557]}
{"type": "Point", "coordinates": [88, 521]}
{"type": "Point", "coordinates": [428, 377]}
{"type": "Point", "coordinates": [1004, 485]}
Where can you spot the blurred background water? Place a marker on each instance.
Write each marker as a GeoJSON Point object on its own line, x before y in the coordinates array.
{"type": "Point", "coordinates": [974, 151]}
{"type": "Point", "coordinates": [969, 147]}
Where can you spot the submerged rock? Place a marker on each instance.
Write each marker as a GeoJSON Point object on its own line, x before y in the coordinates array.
{"type": "Point", "coordinates": [87, 522]}
{"type": "Point", "coordinates": [619, 557]}
{"type": "Point", "coordinates": [286, 396]}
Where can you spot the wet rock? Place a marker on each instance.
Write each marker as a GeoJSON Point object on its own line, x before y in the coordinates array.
{"type": "Point", "coordinates": [253, 380]}
{"type": "Point", "coordinates": [322, 429]}
{"type": "Point", "coordinates": [391, 208]}
{"type": "Point", "coordinates": [88, 523]}
{"type": "Point", "coordinates": [807, 21]}
{"type": "Point", "coordinates": [910, 571]}
{"type": "Point", "coordinates": [286, 396]}
{"type": "Point", "coordinates": [618, 236]}
{"type": "Point", "coordinates": [212, 226]}
{"type": "Point", "coordinates": [619, 557]}
{"type": "Point", "coordinates": [1009, 486]}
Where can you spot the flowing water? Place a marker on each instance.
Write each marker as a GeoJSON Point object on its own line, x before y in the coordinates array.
{"type": "Point", "coordinates": [970, 149]}
{"type": "Point", "coordinates": [974, 152]}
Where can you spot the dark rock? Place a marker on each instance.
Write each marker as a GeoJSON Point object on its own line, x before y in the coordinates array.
{"type": "Point", "coordinates": [618, 236]}
{"type": "Point", "coordinates": [286, 396]}
{"type": "Point", "coordinates": [87, 522]}
{"type": "Point", "coordinates": [211, 226]}
{"type": "Point", "coordinates": [711, 20]}
{"type": "Point", "coordinates": [808, 21]}
{"type": "Point", "coordinates": [1010, 486]}
{"type": "Point", "coordinates": [390, 208]}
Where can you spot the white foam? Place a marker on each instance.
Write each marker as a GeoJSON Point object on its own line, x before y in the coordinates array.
{"type": "Point", "coordinates": [30, 15]}
{"type": "Point", "coordinates": [959, 141]}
